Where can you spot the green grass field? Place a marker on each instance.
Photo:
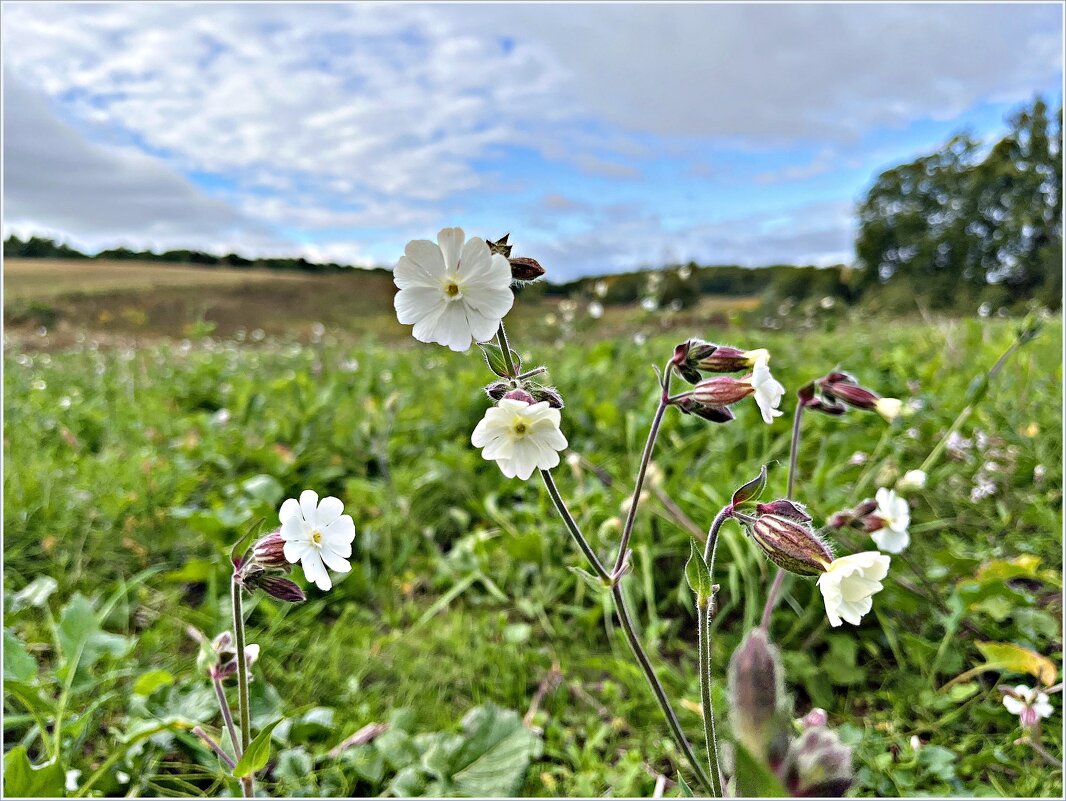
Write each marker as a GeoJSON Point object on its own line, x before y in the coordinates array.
{"type": "Point", "coordinates": [129, 470]}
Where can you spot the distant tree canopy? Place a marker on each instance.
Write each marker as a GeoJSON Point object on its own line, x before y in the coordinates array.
{"type": "Point", "coordinates": [968, 224]}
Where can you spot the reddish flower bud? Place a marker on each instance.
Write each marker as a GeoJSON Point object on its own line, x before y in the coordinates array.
{"type": "Point", "coordinates": [724, 359]}
{"type": "Point", "coordinates": [282, 589]}
{"type": "Point", "coordinates": [524, 268]}
{"type": "Point", "coordinates": [716, 414]}
{"type": "Point", "coordinates": [840, 519]}
{"type": "Point", "coordinates": [757, 694]}
{"type": "Point", "coordinates": [791, 545]}
{"type": "Point", "coordinates": [269, 552]}
{"type": "Point", "coordinates": [519, 394]}
{"type": "Point", "coordinates": [722, 390]}
{"type": "Point", "coordinates": [818, 765]}
{"type": "Point", "coordinates": [785, 508]}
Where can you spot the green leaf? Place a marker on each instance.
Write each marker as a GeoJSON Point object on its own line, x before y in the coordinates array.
{"type": "Point", "coordinates": [257, 753]}
{"type": "Point", "coordinates": [494, 359]}
{"type": "Point", "coordinates": [752, 490]}
{"type": "Point", "coordinates": [1010, 658]}
{"type": "Point", "coordinates": [683, 788]}
{"type": "Point", "coordinates": [697, 574]}
{"type": "Point", "coordinates": [497, 752]}
{"type": "Point", "coordinates": [264, 488]}
{"type": "Point", "coordinates": [588, 578]}
{"type": "Point", "coordinates": [151, 681]}
{"type": "Point", "coordinates": [253, 529]}
{"type": "Point", "coordinates": [81, 640]}
{"type": "Point", "coordinates": [19, 664]}
{"type": "Point", "coordinates": [23, 780]}
{"type": "Point", "coordinates": [754, 777]}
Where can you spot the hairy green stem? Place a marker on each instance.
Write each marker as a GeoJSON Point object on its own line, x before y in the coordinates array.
{"type": "Point", "coordinates": [247, 783]}
{"type": "Point", "coordinates": [214, 746]}
{"type": "Point", "coordinates": [645, 459]}
{"type": "Point", "coordinates": [227, 716]}
{"type": "Point", "coordinates": [573, 528]}
{"type": "Point", "coordinates": [656, 686]}
{"type": "Point", "coordinates": [703, 629]}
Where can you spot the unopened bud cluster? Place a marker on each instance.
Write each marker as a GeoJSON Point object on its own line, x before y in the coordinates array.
{"type": "Point", "coordinates": [713, 395]}
{"type": "Point", "coordinates": [695, 357]}
{"type": "Point", "coordinates": [834, 393]}
{"type": "Point", "coordinates": [523, 268]}
{"type": "Point", "coordinates": [259, 567]}
{"type": "Point", "coordinates": [863, 517]}
{"type": "Point", "coordinates": [218, 658]}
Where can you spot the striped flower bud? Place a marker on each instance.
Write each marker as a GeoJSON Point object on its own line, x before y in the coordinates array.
{"type": "Point", "coordinates": [282, 589]}
{"type": "Point", "coordinates": [757, 697]}
{"type": "Point", "coordinates": [716, 414]}
{"type": "Point", "coordinates": [785, 508]}
{"type": "Point", "coordinates": [818, 765]}
{"type": "Point", "coordinates": [844, 388]}
{"type": "Point", "coordinates": [725, 359]}
{"type": "Point", "coordinates": [269, 552]}
{"type": "Point", "coordinates": [791, 544]}
{"type": "Point", "coordinates": [722, 390]}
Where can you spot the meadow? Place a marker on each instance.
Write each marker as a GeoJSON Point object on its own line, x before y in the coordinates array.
{"type": "Point", "coordinates": [137, 449]}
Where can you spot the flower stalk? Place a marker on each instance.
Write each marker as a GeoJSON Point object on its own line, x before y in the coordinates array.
{"type": "Point", "coordinates": [243, 710]}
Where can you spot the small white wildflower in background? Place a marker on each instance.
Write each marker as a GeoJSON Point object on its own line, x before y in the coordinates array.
{"type": "Point", "coordinates": [912, 480]}
{"type": "Point", "coordinates": [916, 742]}
{"type": "Point", "coordinates": [599, 289]}
{"type": "Point", "coordinates": [859, 458]}
{"type": "Point", "coordinates": [984, 310]}
{"type": "Point", "coordinates": [649, 304]}
{"type": "Point", "coordinates": [72, 780]}
{"type": "Point", "coordinates": [849, 584]}
{"type": "Point", "coordinates": [595, 310]}
{"type": "Point", "coordinates": [768, 390]}
{"type": "Point", "coordinates": [520, 437]}
{"type": "Point", "coordinates": [317, 535]}
{"type": "Point", "coordinates": [684, 272]}
{"type": "Point", "coordinates": [958, 446]}
{"type": "Point", "coordinates": [896, 516]}
{"type": "Point", "coordinates": [827, 303]}
{"type": "Point", "coordinates": [1028, 704]}
{"type": "Point", "coordinates": [452, 292]}
{"type": "Point", "coordinates": [1039, 473]}
{"type": "Point", "coordinates": [676, 305]}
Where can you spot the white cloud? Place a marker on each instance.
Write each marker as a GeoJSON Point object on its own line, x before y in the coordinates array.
{"type": "Point", "coordinates": [99, 194]}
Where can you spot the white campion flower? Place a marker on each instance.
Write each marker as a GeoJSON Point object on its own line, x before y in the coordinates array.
{"type": "Point", "coordinates": [317, 535]}
{"type": "Point", "coordinates": [450, 291]}
{"type": "Point", "coordinates": [849, 584]}
{"type": "Point", "coordinates": [768, 390]}
{"type": "Point", "coordinates": [889, 408]}
{"type": "Point", "coordinates": [1028, 704]}
{"type": "Point", "coordinates": [520, 437]}
{"type": "Point", "coordinates": [895, 514]}
{"type": "Point", "coordinates": [912, 480]}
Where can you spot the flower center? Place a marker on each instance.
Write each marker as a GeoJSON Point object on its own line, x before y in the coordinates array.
{"type": "Point", "coordinates": [451, 289]}
{"type": "Point", "coordinates": [316, 537]}
{"type": "Point", "coordinates": [520, 428]}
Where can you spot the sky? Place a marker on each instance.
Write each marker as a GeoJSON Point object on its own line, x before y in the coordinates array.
{"type": "Point", "coordinates": [603, 138]}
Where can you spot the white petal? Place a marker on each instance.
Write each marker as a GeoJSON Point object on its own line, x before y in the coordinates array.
{"type": "Point", "coordinates": [451, 245]}
{"type": "Point", "coordinates": [1014, 705]}
{"type": "Point", "coordinates": [294, 550]}
{"type": "Point", "coordinates": [295, 529]}
{"type": "Point", "coordinates": [425, 329]}
{"type": "Point", "coordinates": [291, 508]}
{"type": "Point", "coordinates": [335, 561]}
{"type": "Point", "coordinates": [426, 257]}
{"type": "Point", "coordinates": [453, 329]}
{"type": "Point", "coordinates": [415, 303]}
{"type": "Point", "coordinates": [481, 327]}
{"type": "Point", "coordinates": [309, 506]}
{"type": "Point", "coordinates": [329, 509]}
{"type": "Point", "coordinates": [475, 262]}
{"type": "Point", "coordinates": [891, 540]}
{"type": "Point", "coordinates": [408, 274]}
{"type": "Point", "coordinates": [314, 570]}
{"type": "Point", "coordinates": [339, 534]}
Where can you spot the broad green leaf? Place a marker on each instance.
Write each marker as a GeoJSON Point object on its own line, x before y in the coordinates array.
{"type": "Point", "coordinates": [151, 681]}
{"type": "Point", "coordinates": [258, 753]}
{"type": "Point", "coordinates": [1011, 658]}
{"type": "Point", "coordinates": [588, 578]}
{"type": "Point", "coordinates": [682, 786]}
{"type": "Point", "coordinates": [19, 664]}
{"type": "Point", "coordinates": [23, 780]}
{"type": "Point", "coordinates": [81, 640]}
{"type": "Point", "coordinates": [498, 749]}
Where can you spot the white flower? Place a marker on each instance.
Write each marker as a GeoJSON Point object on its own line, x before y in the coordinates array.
{"type": "Point", "coordinates": [895, 514]}
{"type": "Point", "coordinates": [317, 536]}
{"type": "Point", "coordinates": [1028, 704]}
{"type": "Point", "coordinates": [912, 480]}
{"type": "Point", "coordinates": [768, 390]}
{"type": "Point", "coordinates": [889, 408]}
{"type": "Point", "coordinates": [452, 292]}
{"type": "Point", "coordinates": [595, 310]}
{"type": "Point", "coordinates": [849, 583]}
{"type": "Point", "coordinates": [520, 437]}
